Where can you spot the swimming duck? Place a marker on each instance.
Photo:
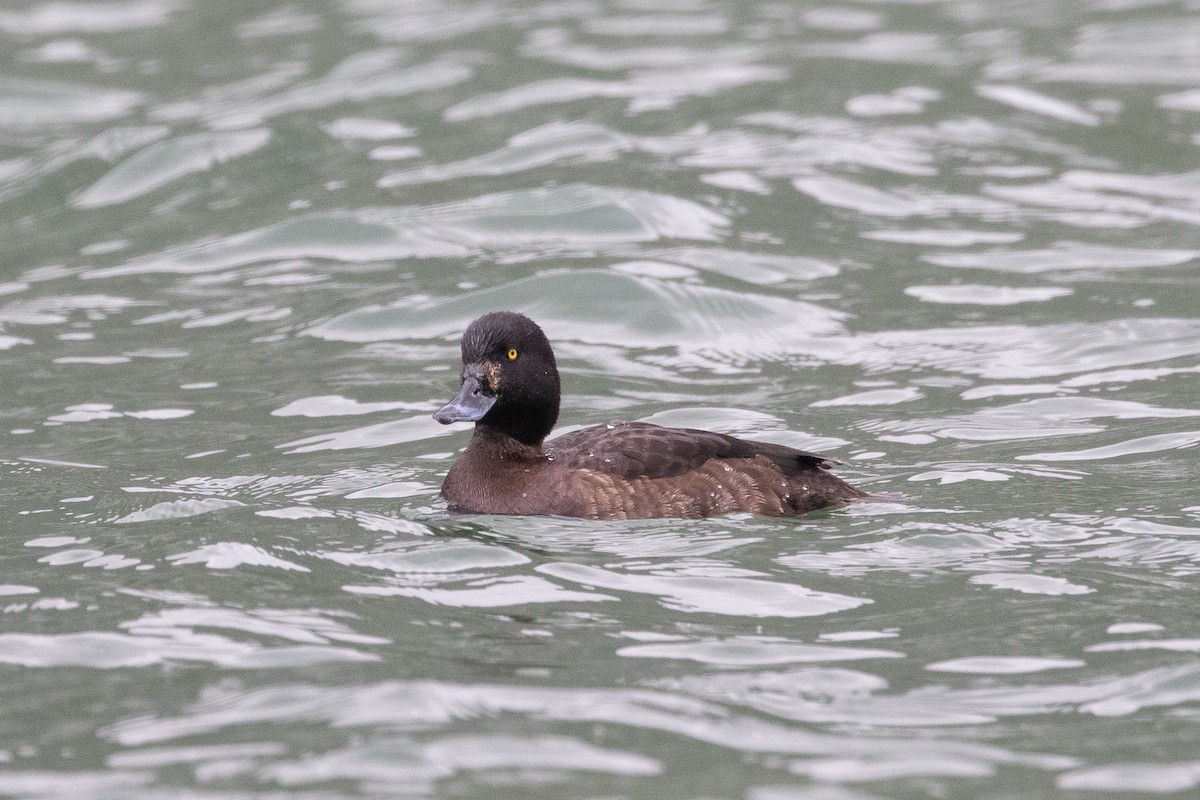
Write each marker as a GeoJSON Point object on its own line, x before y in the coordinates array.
{"type": "Point", "coordinates": [623, 470]}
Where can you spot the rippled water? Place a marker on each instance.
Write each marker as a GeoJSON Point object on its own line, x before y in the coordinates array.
{"type": "Point", "coordinates": [953, 244]}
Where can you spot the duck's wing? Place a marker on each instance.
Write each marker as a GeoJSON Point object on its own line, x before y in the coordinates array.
{"type": "Point", "coordinates": [641, 450]}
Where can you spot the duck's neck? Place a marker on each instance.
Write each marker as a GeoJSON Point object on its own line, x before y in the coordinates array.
{"type": "Point", "coordinates": [498, 444]}
{"type": "Point", "coordinates": [496, 475]}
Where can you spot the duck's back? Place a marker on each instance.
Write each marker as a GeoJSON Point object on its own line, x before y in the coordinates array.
{"type": "Point", "coordinates": [638, 470]}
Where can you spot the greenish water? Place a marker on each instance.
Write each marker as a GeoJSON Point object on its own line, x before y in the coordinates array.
{"type": "Point", "coordinates": [953, 244]}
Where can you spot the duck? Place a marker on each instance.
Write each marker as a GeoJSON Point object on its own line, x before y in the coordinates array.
{"type": "Point", "coordinates": [510, 389]}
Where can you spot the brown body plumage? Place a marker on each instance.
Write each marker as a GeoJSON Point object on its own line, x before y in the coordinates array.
{"type": "Point", "coordinates": [625, 470]}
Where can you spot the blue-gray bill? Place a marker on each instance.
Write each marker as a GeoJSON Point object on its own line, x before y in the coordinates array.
{"type": "Point", "coordinates": [469, 405]}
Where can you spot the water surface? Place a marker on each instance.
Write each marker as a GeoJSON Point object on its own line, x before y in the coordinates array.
{"type": "Point", "coordinates": [953, 244]}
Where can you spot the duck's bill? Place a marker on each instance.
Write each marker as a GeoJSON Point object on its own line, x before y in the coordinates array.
{"type": "Point", "coordinates": [470, 405]}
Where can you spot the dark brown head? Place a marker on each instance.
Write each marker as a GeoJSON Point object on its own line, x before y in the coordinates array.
{"type": "Point", "coordinates": [509, 378]}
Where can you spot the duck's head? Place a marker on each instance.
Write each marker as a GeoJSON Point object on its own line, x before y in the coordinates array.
{"type": "Point", "coordinates": [509, 378]}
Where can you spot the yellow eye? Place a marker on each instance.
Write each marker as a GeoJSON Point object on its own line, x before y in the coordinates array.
{"type": "Point", "coordinates": [512, 354]}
